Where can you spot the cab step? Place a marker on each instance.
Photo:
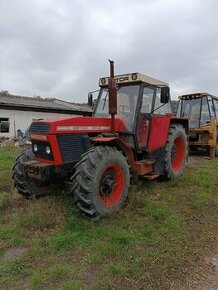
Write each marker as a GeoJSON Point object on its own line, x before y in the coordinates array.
{"type": "Point", "coordinates": [144, 166]}
{"type": "Point", "coordinates": [145, 161]}
{"type": "Point", "coordinates": [151, 175]}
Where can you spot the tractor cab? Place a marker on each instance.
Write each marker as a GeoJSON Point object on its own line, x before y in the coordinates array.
{"type": "Point", "coordinates": [142, 104]}
{"type": "Point", "coordinates": [135, 93]}
{"type": "Point", "coordinates": [202, 111]}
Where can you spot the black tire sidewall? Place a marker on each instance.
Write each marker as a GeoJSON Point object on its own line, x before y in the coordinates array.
{"type": "Point", "coordinates": [19, 180]}
{"type": "Point", "coordinates": [175, 132]}
{"type": "Point", "coordinates": [87, 177]}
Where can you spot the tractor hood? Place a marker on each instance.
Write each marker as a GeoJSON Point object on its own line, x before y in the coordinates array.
{"type": "Point", "coordinates": [77, 124]}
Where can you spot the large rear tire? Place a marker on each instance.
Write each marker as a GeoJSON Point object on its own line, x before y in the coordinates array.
{"type": "Point", "coordinates": [175, 152]}
{"type": "Point", "coordinates": [101, 182]}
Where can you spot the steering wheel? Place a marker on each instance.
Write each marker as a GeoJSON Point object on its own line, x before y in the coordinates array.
{"type": "Point", "coordinates": [121, 109]}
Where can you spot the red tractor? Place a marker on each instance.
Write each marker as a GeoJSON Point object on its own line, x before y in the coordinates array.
{"type": "Point", "coordinates": [100, 154]}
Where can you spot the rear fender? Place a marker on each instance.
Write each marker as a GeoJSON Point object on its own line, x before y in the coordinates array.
{"type": "Point", "coordinates": [181, 121]}
{"type": "Point", "coordinates": [159, 129]}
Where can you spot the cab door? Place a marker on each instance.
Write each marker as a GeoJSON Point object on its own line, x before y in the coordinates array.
{"type": "Point", "coordinates": [152, 128]}
{"type": "Point", "coordinates": [143, 121]}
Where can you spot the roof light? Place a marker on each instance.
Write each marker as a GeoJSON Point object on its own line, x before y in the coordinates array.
{"type": "Point", "coordinates": [134, 77]}
{"type": "Point", "coordinates": [103, 81]}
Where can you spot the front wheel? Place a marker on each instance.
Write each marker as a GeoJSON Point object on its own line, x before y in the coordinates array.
{"type": "Point", "coordinates": [23, 186]}
{"type": "Point", "coordinates": [20, 183]}
{"type": "Point", "coordinates": [175, 152]}
{"type": "Point", "coordinates": [101, 182]}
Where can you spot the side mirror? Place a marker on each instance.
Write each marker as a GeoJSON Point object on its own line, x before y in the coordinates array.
{"type": "Point", "coordinates": [165, 95]}
{"type": "Point", "coordinates": [90, 99]}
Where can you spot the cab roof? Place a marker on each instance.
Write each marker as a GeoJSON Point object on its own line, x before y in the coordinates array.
{"type": "Point", "coordinates": [133, 78]}
{"type": "Point", "coordinates": [196, 96]}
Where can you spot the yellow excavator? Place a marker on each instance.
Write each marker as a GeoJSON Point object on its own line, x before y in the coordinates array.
{"type": "Point", "coordinates": [202, 111]}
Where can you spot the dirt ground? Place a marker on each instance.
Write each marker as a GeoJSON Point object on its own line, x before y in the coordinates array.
{"type": "Point", "coordinates": [205, 276]}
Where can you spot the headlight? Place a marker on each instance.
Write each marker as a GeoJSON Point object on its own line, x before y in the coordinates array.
{"type": "Point", "coordinates": [35, 148]}
{"type": "Point", "coordinates": [48, 150]}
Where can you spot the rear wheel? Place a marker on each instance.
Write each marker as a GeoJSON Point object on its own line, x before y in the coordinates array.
{"type": "Point", "coordinates": [217, 145]}
{"type": "Point", "coordinates": [175, 152]}
{"type": "Point", "coordinates": [212, 152]}
{"type": "Point", "coordinates": [101, 181]}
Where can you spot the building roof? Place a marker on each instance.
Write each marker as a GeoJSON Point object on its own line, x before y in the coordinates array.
{"type": "Point", "coordinates": [38, 104]}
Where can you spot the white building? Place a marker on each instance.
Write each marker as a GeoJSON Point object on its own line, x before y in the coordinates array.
{"type": "Point", "coordinates": [18, 112]}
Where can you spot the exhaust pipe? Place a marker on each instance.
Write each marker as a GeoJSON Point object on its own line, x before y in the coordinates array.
{"type": "Point", "coordinates": [112, 90]}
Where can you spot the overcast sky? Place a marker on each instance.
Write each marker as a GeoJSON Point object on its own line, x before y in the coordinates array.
{"type": "Point", "coordinates": [59, 49]}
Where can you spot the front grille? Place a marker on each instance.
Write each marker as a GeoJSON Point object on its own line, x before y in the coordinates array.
{"type": "Point", "coordinates": [41, 150]}
{"type": "Point", "coordinates": [41, 128]}
{"type": "Point", "coordinates": [72, 146]}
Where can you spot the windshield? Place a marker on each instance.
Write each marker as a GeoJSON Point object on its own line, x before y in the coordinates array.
{"type": "Point", "coordinates": [127, 97]}
{"type": "Point", "coordinates": [197, 112]}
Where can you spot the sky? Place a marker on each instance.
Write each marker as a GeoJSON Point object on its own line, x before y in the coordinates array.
{"type": "Point", "coordinates": [53, 48]}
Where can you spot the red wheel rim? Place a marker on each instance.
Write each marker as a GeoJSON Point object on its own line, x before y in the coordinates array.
{"type": "Point", "coordinates": [111, 185]}
{"type": "Point", "coordinates": [178, 153]}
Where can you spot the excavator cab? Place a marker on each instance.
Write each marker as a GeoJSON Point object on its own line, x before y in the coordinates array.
{"type": "Point", "coordinates": [202, 111]}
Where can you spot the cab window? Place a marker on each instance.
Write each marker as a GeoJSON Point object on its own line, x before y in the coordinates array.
{"type": "Point", "coordinates": [147, 100]}
{"type": "Point", "coordinates": [211, 106]}
{"type": "Point", "coordinates": [159, 108]}
{"type": "Point", "coordinates": [216, 109]}
{"type": "Point", "coordinates": [205, 115]}
{"type": "Point", "coordinates": [127, 98]}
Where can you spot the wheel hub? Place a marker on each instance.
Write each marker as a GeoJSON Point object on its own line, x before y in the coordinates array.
{"type": "Point", "coordinates": [107, 183]}
{"type": "Point", "coordinates": [111, 185]}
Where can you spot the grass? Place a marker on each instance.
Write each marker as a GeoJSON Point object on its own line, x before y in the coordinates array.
{"type": "Point", "coordinates": [36, 280]}
{"type": "Point", "coordinates": [152, 243]}
{"type": "Point", "coordinates": [12, 270]}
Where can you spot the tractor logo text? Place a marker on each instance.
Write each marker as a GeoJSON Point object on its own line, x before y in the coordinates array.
{"type": "Point", "coordinates": [122, 79]}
